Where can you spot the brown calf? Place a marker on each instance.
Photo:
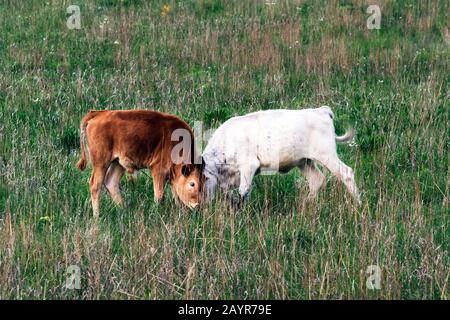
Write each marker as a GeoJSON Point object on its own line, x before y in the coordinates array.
{"type": "Point", "coordinates": [138, 139]}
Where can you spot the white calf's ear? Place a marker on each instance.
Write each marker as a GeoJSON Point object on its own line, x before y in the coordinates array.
{"type": "Point", "coordinates": [202, 165]}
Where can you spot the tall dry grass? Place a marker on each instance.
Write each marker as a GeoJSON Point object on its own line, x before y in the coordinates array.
{"type": "Point", "coordinates": [209, 60]}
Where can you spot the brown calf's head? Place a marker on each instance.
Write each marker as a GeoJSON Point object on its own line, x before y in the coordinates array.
{"type": "Point", "coordinates": [187, 184]}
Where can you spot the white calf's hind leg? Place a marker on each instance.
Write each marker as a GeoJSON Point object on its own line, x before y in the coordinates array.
{"type": "Point", "coordinates": [112, 181]}
{"type": "Point", "coordinates": [314, 176]}
{"type": "Point", "coordinates": [343, 173]}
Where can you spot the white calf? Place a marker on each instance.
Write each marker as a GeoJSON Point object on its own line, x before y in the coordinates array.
{"type": "Point", "coordinates": [275, 140]}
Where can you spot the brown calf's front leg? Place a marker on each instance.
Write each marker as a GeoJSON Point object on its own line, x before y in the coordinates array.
{"type": "Point", "coordinates": [159, 178]}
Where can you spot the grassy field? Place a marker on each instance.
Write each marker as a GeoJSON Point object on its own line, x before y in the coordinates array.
{"type": "Point", "coordinates": [209, 60]}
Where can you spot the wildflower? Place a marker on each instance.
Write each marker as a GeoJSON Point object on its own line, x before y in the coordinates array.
{"type": "Point", "coordinates": [45, 219]}
{"type": "Point", "coordinates": [166, 10]}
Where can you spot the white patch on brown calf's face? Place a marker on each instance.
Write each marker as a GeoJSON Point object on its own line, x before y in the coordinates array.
{"type": "Point", "coordinates": [187, 189]}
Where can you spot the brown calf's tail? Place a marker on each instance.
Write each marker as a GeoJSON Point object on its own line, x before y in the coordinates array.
{"type": "Point", "coordinates": [81, 164]}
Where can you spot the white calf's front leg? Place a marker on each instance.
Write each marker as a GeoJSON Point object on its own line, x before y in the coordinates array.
{"type": "Point", "coordinates": [247, 173]}
{"type": "Point", "coordinates": [210, 187]}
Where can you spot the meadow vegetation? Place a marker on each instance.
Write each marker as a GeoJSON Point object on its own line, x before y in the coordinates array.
{"type": "Point", "coordinates": [209, 60]}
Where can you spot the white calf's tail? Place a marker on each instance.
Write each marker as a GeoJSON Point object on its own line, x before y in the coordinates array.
{"type": "Point", "coordinates": [347, 137]}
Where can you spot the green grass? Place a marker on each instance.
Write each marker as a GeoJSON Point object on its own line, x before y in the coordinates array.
{"type": "Point", "coordinates": [207, 61]}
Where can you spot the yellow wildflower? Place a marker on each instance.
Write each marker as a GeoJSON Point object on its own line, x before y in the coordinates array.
{"type": "Point", "coordinates": [166, 10]}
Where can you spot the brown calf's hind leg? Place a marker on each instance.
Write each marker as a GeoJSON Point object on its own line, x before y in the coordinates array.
{"type": "Point", "coordinates": [112, 181]}
{"type": "Point", "coordinates": [95, 186]}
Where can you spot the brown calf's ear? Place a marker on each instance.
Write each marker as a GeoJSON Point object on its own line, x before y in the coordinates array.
{"type": "Point", "coordinates": [186, 170]}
